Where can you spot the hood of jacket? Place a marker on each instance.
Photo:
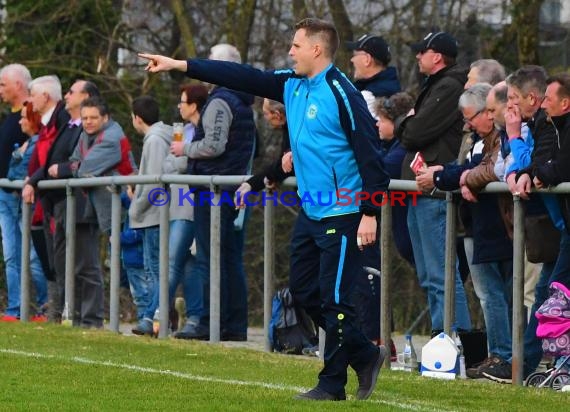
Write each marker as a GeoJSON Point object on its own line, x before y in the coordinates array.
{"type": "Point", "coordinates": [159, 130]}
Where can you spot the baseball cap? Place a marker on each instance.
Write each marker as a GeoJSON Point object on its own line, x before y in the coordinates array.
{"type": "Point", "coordinates": [440, 42]}
{"type": "Point", "coordinates": [374, 45]}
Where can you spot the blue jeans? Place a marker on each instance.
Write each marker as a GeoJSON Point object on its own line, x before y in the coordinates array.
{"type": "Point", "coordinates": [138, 285]}
{"type": "Point", "coordinates": [180, 268]}
{"type": "Point", "coordinates": [38, 277]}
{"type": "Point", "coordinates": [233, 287]}
{"type": "Point", "coordinates": [426, 223]}
{"type": "Point", "coordinates": [493, 283]}
{"type": "Point", "coordinates": [151, 250]}
{"type": "Point", "coordinates": [11, 249]}
{"type": "Point", "coordinates": [551, 272]}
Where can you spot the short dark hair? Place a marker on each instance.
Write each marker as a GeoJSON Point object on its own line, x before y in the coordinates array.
{"type": "Point", "coordinates": [325, 30]}
{"type": "Point", "coordinates": [563, 79]}
{"type": "Point", "coordinates": [195, 93]}
{"type": "Point", "coordinates": [91, 88]}
{"type": "Point", "coordinates": [147, 108]}
{"type": "Point", "coordinates": [529, 78]}
{"type": "Point", "coordinates": [448, 60]}
{"type": "Point", "coordinates": [98, 102]}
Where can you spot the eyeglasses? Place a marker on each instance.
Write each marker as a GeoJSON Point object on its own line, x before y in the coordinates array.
{"type": "Point", "coordinates": [182, 102]}
{"type": "Point", "coordinates": [470, 119]}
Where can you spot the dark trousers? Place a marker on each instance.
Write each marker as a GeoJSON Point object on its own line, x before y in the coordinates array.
{"type": "Point", "coordinates": [325, 265]}
{"type": "Point", "coordinates": [89, 300]}
{"type": "Point", "coordinates": [233, 286]}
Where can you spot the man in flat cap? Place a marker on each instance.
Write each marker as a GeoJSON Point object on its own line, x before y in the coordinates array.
{"type": "Point", "coordinates": [433, 128]}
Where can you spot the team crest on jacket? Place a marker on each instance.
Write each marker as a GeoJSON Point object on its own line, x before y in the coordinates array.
{"type": "Point", "coordinates": [312, 111]}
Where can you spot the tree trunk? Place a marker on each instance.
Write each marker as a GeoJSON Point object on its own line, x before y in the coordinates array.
{"type": "Point", "coordinates": [299, 10]}
{"type": "Point", "coordinates": [525, 15]}
{"type": "Point", "coordinates": [187, 39]}
{"type": "Point", "coordinates": [239, 23]}
{"type": "Point", "coordinates": [345, 32]}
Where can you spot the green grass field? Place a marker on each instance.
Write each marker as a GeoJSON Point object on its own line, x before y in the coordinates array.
{"type": "Point", "coordinates": [55, 368]}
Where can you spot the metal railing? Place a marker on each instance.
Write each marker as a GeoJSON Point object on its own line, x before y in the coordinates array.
{"type": "Point", "coordinates": [214, 182]}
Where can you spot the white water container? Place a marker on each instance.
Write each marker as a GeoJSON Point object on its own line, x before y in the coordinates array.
{"type": "Point", "coordinates": [439, 357]}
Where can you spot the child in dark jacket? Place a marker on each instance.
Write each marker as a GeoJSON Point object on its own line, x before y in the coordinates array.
{"type": "Point", "coordinates": [132, 261]}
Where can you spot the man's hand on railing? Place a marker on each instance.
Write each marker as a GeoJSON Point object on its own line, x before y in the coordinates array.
{"type": "Point", "coordinates": [52, 171]}
{"type": "Point", "coordinates": [287, 162]}
{"type": "Point", "coordinates": [512, 183]}
{"type": "Point", "coordinates": [524, 186]}
{"type": "Point", "coordinates": [28, 193]}
{"type": "Point", "coordinates": [243, 190]}
{"type": "Point", "coordinates": [424, 178]}
{"type": "Point", "coordinates": [538, 183]}
{"type": "Point", "coordinates": [468, 194]}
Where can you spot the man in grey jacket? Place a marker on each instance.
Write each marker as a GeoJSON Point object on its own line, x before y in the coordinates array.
{"type": "Point", "coordinates": [142, 213]}
{"type": "Point", "coordinates": [98, 153]}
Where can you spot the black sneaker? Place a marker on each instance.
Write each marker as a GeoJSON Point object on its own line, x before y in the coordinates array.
{"type": "Point", "coordinates": [475, 371]}
{"type": "Point", "coordinates": [234, 337]}
{"type": "Point", "coordinates": [192, 331]}
{"type": "Point", "coordinates": [498, 371]}
{"type": "Point", "coordinates": [369, 374]}
{"type": "Point", "coordinates": [317, 394]}
{"type": "Point", "coordinates": [187, 332]}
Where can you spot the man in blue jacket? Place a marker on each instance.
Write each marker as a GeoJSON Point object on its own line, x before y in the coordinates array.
{"type": "Point", "coordinates": [334, 147]}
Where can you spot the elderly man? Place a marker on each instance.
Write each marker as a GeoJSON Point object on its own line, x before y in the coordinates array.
{"type": "Point", "coordinates": [490, 246]}
{"type": "Point", "coordinates": [14, 81]}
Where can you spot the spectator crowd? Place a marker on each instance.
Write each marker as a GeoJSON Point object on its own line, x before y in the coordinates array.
{"type": "Point", "coordinates": [467, 127]}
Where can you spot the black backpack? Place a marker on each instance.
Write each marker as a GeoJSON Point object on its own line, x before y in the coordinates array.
{"type": "Point", "coordinates": [290, 330]}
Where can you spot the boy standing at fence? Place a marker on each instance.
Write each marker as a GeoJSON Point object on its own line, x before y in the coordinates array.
{"type": "Point", "coordinates": [142, 213]}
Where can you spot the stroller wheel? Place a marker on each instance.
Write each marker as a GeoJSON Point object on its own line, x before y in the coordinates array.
{"type": "Point", "coordinates": [560, 380]}
{"type": "Point", "coordinates": [536, 378]}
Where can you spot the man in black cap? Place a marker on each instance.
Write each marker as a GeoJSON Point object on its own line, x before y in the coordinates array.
{"type": "Point", "coordinates": [372, 75]}
{"type": "Point", "coordinates": [433, 128]}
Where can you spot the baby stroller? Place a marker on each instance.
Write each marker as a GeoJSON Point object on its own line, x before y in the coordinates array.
{"type": "Point", "coordinates": [554, 329]}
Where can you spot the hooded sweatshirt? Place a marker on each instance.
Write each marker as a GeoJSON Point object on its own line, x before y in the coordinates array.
{"type": "Point", "coordinates": [156, 144]}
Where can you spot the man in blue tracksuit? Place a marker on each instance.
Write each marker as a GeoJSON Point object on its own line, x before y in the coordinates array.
{"type": "Point", "coordinates": [336, 155]}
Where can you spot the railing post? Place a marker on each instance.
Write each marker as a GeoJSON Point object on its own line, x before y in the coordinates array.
{"type": "Point", "coordinates": [268, 266]}
{"type": "Point", "coordinates": [25, 262]}
{"type": "Point", "coordinates": [115, 278]}
{"type": "Point", "coordinates": [215, 274]}
{"type": "Point", "coordinates": [70, 219]}
{"type": "Point", "coordinates": [163, 298]}
{"type": "Point", "coordinates": [519, 320]}
{"type": "Point", "coordinates": [385, 266]}
{"type": "Point", "coordinates": [450, 262]}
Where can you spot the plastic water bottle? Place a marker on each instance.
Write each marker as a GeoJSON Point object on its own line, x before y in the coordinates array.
{"type": "Point", "coordinates": [65, 317]}
{"type": "Point", "coordinates": [457, 340]}
{"type": "Point", "coordinates": [410, 357]}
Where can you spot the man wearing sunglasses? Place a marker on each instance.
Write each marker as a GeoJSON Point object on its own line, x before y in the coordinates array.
{"type": "Point", "coordinates": [433, 128]}
{"type": "Point", "coordinates": [372, 75]}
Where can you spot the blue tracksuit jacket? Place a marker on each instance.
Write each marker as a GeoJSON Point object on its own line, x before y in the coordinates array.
{"type": "Point", "coordinates": [336, 150]}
